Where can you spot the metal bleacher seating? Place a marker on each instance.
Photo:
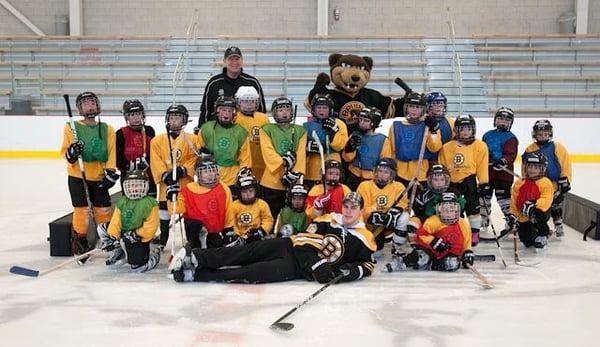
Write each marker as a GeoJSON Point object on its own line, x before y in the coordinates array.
{"type": "Point", "coordinates": [554, 75]}
{"type": "Point", "coordinates": [534, 75]}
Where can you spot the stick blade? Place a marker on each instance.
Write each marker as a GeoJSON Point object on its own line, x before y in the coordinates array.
{"type": "Point", "coordinates": [283, 326]}
{"type": "Point", "coordinates": [23, 271]}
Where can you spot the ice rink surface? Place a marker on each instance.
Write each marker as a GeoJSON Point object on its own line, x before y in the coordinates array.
{"type": "Point", "coordinates": [554, 304]}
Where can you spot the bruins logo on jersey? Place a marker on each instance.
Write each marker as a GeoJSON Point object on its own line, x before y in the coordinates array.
{"type": "Point", "coordinates": [381, 201]}
{"type": "Point", "coordinates": [458, 160]}
{"type": "Point", "coordinates": [349, 111]}
{"type": "Point", "coordinates": [311, 228]}
{"type": "Point", "coordinates": [332, 249]}
{"type": "Point", "coordinates": [246, 218]}
{"type": "Point", "coordinates": [255, 134]}
{"type": "Point", "coordinates": [223, 143]}
{"type": "Point", "coordinates": [284, 146]}
{"type": "Point", "coordinates": [177, 154]}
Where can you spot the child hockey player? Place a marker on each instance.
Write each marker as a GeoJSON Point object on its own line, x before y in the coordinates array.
{"type": "Point", "coordinates": [384, 218]}
{"type": "Point", "coordinates": [531, 202]}
{"type": "Point", "coordinates": [206, 206]}
{"type": "Point", "coordinates": [327, 197]}
{"type": "Point", "coordinates": [335, 243]}
{"type": "Point", "coordinates": [134, 222]}
{"type": "Point", "coordinates": [292, 218]}
{"type": "Point", "coordinates": [405, 139]}
{"type": "Point", "coordinates": [246, 100]}
{"type": "Point", "coordinates": [559, 167]}
{"type": "Point", "coordinates": [443, 242]}
{"type": "Point", "coordinates": [96, 146]}
{"type": "Point", "coordinates": [283, 146]}
{"type": "Point", "coordinates": [502, 148]}
{"type": "Point", "coordinates": [436, 107]}
{"type": "Point", "coordinates": [175, 148]}
{"type": "Point", "coordinates": [467, 161]}
{"type": "Point", "coordinates": [332, 135]}
{"type": "Point", "coordinates": [364, 148]}
{"type": "Point", "coordinates": [250, 216]}
{"type": "Point", "coordinates": [133, 142]}
{"type": "Point", "coordinates": [227, 142]}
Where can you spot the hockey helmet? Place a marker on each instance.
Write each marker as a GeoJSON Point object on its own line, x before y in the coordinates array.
{"type": "Point", "coordinates": [90, 112]}
{"type": "Point", "coordinates": [506, 114]}
{"type": "Point", "coordinates": [448, 208]}
{"type": "Point", "coordinates": [136, 184]}
{"type": "Point", "coordinates": [542, 132]}
{"type": "Point", "coordinates": [438, 178]}
{"type": "Point", "coordinates": [535, 165]}
{"type": "Point", "coordinates": [462, 122]}
{"type": "Point", "coordinates": [285, 104]}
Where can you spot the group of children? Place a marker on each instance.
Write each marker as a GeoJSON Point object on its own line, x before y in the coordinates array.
{"type": "Point", "coordinates": [242, 179]}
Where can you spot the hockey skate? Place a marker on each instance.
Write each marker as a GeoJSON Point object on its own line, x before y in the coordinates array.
{"type": "Point", "coordinates": [183, 265]}
{"type": "Point", "coordinates": [540, 243]}
{"type": "Point", "coordinates": [115, 255]}
{"type": "Point", "coordinates": [558, 230]}
{"type": "Point", "coordinates": [397, 264]}
{"type": "Point", "coordinates": [153, 261]}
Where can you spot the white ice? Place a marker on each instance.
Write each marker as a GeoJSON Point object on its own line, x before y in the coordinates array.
{"type": "Point", "coordinates": [554, 304]}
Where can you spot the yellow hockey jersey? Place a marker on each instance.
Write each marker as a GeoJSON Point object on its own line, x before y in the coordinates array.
{"type": "Point", "coordinates": [336, 144]}
{"type": "Point", "coordinates": [274, 167]}
{"type": "Point", "coordinates": [246, 217]}
{"type": "Point", "coordinates": [465, 160]}
{"type": "Point", "coordinates": [252, 124]}
{"type": "Point", "coordinates": [381, 200]}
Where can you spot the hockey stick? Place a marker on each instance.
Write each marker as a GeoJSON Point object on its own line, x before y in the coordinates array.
{"type": "Point", "coordinates": [516, 250]}
{"type": "Point", "coordinates": [174, 197]}
{"type": "Point", "coordinates": [419, 165]}
{"type": "Point", "coordinates": [490, 239]}
{"type": "Point", "coordinates": [506, 169]}
{"type": "Point", "coordinates": [320, 145]}
{"type": "Point", "coordinates": [489, 213]}
{"type": "Point", "coordinates": [403, 85]}
{"type": "Point", "coordinates": [485, 283]}
{"type": "Point", "coordinates": [286, 326]}
{"type": "Point", "coordinates": [18, 270]}
{"type": "Point", "coordinates": [86, 189]}
{"type": "Point", "coordinates": [486, 258]}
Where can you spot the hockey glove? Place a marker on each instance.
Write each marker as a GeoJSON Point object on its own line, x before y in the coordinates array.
{"type": "Point", "coordinates": [322, 271]}
{"type": "Point", "coordinates": [392, 216]}
{"type": "Point", "coordinates": [109, 180]}
{"type": "Point", "coordinates": [528, 208]}
{"type": "Point", "coordinates": [255, 234]}
{"type": "Point", "coordinates": [563, 185]}
{"type": "Point", "coordinates": [172, 190]}
{"type": "Point", "coordinates": [290, 177]}
{"type": "Point", "coordinates": [439, 245]}
{"type": "Point", "coordinates": [312, 147]}
{"type": "Point", "coordinates": [500, 165]}
{"type": "Point", "coordinates": [330, 125]}
{"type": "Point", "coordinates": [205, 151]}
{"type": "Point", "coordinates": [131, 237]}
{"type": "Point", "coordinates": [468, 258]}
{"type": "Point", "coordinates": [289, 160]}
{"type": "Point", "coordinates": [377, 218]}
{"type": "Point", "coordinates": [321, 202]}
{"type": "Point", "coordinates": [484, 190]}
{"type": "Point", "coordinates": [167, 176]}
{"type": "Point", "coordinates": [353, 143]}
{"type": "Point", "coordinates": [432, 123]}
{"type": "Point", "coordinates": [230, 238]}
{"type": "Point", "coordinates": [74, 151]}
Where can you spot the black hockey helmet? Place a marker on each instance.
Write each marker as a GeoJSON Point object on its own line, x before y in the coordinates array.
{"type": "Point", "coordinates": [224, 101]}
{"type": "Point", "coordinates": [333, 164]}
{"type": "Point", "coordinates": [438, 170]}
{"type": "Point", "coordinates": [388, 163]}
{"type": "Point", "coordinates": [462, 121]}
{"type": "Point", "coordinates": [536, 158]}
{"type": "Point", "coordinates": [372, 113]}
{"type": "Point", "coordinates": [84, 96]}
{"type": "Point", "coordinates": [542, 125]}
{"type": "Point", "coordinates": [507, 113]}
{"type": "Point", "coordinates": [177, 110]}
{"type": "Point", "coordinates": [322, 99]}
{"type": "Point", "coordinates": [417, 99]}
{"type": "Point", "coordinates": [247, 180]}
{"type": "Point", "coordinates": [296, 190]}
{"type": "Point", "coordinates": [281, 101]}
{"type": "Point", "coordinates": [133, 106]}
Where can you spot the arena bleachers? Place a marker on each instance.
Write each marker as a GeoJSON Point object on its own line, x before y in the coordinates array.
{"type": "Point", "coordinates": [556, 75]}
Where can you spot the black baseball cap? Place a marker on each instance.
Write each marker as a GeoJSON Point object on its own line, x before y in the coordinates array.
{"type": "Point", "coordinates": [232, 51]}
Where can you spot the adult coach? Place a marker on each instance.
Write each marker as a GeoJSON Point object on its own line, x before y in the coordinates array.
{"type": "Point", "coordinates": [227, 83]}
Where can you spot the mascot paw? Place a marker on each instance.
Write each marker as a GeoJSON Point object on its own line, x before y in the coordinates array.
{"type": "Point", "coordinates": [323, 79]}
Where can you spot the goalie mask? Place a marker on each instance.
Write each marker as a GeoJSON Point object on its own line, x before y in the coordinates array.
{"type": "Point", "coordinates": [224, 110]}
{"type": "Point", "coordinates": [247, 184]}
{"type": "Point", "coordinates": [535, 165]}
{"type": "Point", "coordinates": [136, 184]}
{"type": "Point", "coordinates": [438, 178]}
{"type": "Point", "coordinates": [542, 132]}
{"type": "Point", "coordinates": [333, 173]}
{"type": "Point", "coordinates": [436, 104]}
{"type": "Point", "coordinates": [282, 110]}
{"type": "Point", "coordinates": [448, 209]}
{"type": "Point", "coordinates": [385, 172]}
{"type": "Point", "coordinates": [246, 99]}
{"type": "Point", "coordinates": [321, 106]}
{"type": "Point", "coordinates": [296, 197]}
{"type": "Point", "coordinates": [464, 129]}
{"type": "Point", "coordinates": [414, 107]}
{"type": "Point", "coordinates": [504, 118]}
{"type": "Point", "coordinates": [88, 104]}
{"type": "Point", "coordinates": [207, 171]}
{"type": "Point", "coordinates": [133, 111]}
{"type": "Point", "coordinates": [176, 118]}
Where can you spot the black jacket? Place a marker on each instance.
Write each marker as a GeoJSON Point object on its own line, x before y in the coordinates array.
{"type": "Point", "coordinates": [228, 86]}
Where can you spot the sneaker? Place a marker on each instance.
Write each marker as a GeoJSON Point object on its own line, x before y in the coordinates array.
{"type": "Point", "coordinates": [79, 244]}
{"type": "Point", "coordinates": [184, 259]}
{"type": "Point", "coordinates": [540, 242]}
{"type": "Point", "coordinates": [397, 264]}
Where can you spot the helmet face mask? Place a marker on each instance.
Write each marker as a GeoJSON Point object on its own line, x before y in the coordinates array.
{"type": "Point", "coordinates": [296, 197]}
{"type": "Point", "coordinates": [368, 118]}
{"type": "Point", "coordinates": [176, 118]}
{"type": "Point", "coordinates": [135, 185]}
{"type": "Point", "coordinates": [385, 172]}
{"type": "Point", "coordinates": [225, 115]}
{"type": "Point", "coordinates": [436, 104]}
{"type": "Point", "coordinates": [247, 184]}
{"type": "Point", "coordinates": [88, 105]}
{"type": "Point", "coordinates": [542, 132]}
{"type": "Point", "coordinates": [322, 106]}
{"type": "Point", "coordinates": [333, 173]}
{"type": "Point", "coordinates": [448, 212]}
{"type": "Point", "coordinates": [133, 111]}
{"type": "Point", "coordinates": [465, 129]}
{"type": "Point", "coordinates": [438, 178]}
{"type": "Point", "coordinates": [207, 172]}
{"type": "Point", "coordinates": [413, 113]}
{"type": "Point", "coordinates": [504, 118]}
{"type": "Point", "coordinates": [535, 165]}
